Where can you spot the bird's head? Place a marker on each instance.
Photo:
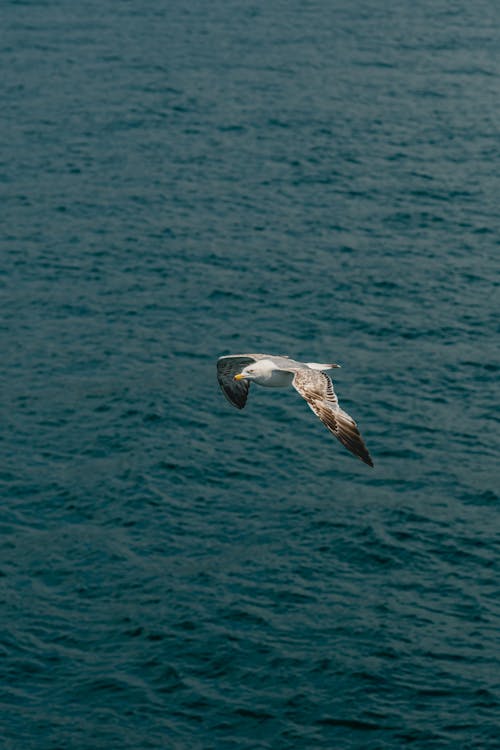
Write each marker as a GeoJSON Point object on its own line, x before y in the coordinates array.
{"type": "Point", "coordinates": [248, 373]}
{"type": "Point", "coordinates": [252, 371]}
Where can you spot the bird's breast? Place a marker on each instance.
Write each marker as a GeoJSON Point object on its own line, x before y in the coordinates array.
{"type": "Point", "coordinates": [275, 379]}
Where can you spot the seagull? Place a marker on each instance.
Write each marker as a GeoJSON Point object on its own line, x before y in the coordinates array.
{"type": "Point", "coordinates": [235, 372]}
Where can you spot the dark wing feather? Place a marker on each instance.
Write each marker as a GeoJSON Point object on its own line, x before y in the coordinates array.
{"type": "Point", "coordinates": [236, 391]}
{"type": "Point", "coordinates": [317, 389]}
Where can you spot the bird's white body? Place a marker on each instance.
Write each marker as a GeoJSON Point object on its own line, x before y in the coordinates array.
{"type": "Point", "coordinates": [264, 372]}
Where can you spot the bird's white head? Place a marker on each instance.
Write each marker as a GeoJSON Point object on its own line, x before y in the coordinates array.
{"type": "Point", "coordinates": [248, 373]}
{"type": "Point", "coordinates": [255, 370]}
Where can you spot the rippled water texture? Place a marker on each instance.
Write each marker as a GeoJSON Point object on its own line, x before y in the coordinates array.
{"type": "Point", "coordinates": [185, 180]}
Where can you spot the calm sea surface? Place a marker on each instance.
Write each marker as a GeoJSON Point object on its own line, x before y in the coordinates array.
{"type": "Point", "coordinates": [181, 180]}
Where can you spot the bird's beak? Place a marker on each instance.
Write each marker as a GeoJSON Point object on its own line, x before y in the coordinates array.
{"type": "Point", "coordinates": [240, 376]}
{"type": "Point", "coordinates": [335, 366]}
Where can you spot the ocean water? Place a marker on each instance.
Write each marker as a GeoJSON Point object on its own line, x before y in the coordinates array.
{"type": "Point", "coordinates": [185, 180]}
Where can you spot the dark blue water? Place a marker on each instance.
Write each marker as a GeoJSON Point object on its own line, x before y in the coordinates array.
{"type": "Point", "coordinates": [185, 180]}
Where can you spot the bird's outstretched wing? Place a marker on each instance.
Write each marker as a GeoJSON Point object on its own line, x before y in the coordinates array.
{"type": "Point", "coordinates": [317, 389]}
{"type": "Point", "coordinates": [236, 391]}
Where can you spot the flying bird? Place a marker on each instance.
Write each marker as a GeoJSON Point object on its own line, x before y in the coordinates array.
{"type": "Point", "coordinates": [235, 372]}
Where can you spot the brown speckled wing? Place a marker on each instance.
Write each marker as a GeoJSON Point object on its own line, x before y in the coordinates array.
{"type": "Point", "coordinates": [317, 389]}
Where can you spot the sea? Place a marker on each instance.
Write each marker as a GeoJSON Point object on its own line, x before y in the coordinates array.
{"type": "Point", "coordinates": [185, 180]}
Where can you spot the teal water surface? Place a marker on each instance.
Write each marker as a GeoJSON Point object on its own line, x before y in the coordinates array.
{"type": "Point", "coordinates": [181, 181]}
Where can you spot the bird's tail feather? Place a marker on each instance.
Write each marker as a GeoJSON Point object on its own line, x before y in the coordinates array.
{"type": "Point", "coordinates": [318, 366]}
